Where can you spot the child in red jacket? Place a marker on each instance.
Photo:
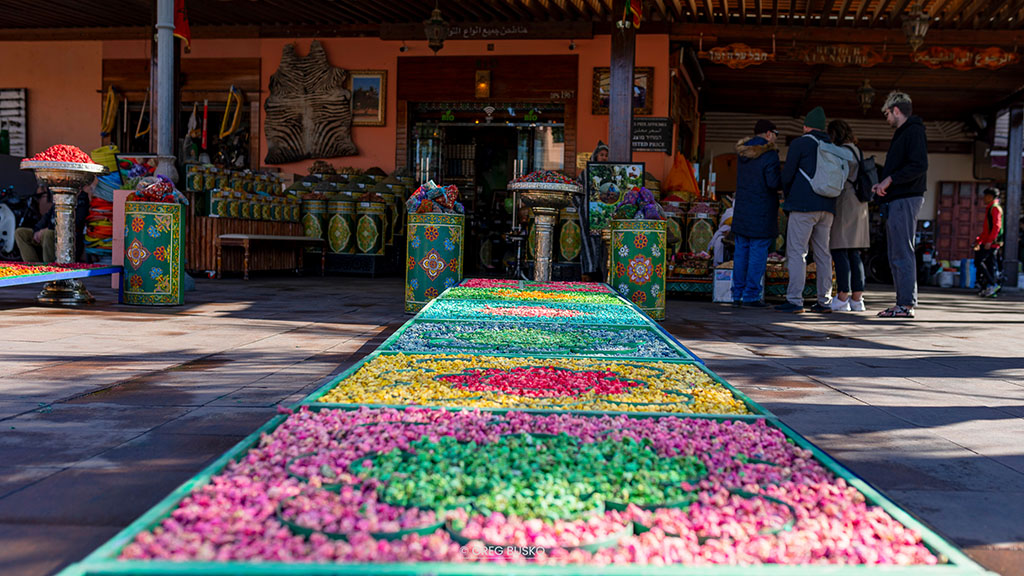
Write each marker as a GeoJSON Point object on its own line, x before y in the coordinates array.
{"type": "Point", "coordinates": [987, 243]}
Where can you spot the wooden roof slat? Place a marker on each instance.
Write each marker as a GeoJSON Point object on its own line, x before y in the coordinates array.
{"type": "Point", "coordinates": [826, 12]}
{"type": "Point", "coordinates": [859, 16]}
{"type": "Point", "coordinates": [759, 10]}
{"type": "Point", "coordinates": [595, 8]}
{"type": "Point", "coordinates": [842, 12]}
{"type": "Point", "coordinates": [991, 13]}
{"type": "Point", "coordinates": [725, 10]}
{"type": "Point", "coordinates": [967, 18]}
{"type": "Point", "coordinates": [879, 10]}
{"type": "Point", "coordinates": [710, 11]}
{"type": "Point", "coordinates": [539, 8]}
{"type": "Point", "coordinates": [743, 11]}
{"type": "Point", "coordinates": [1013, 10]}
{"type": "Point", "coordinates": [661, 10]}
{"type": "Point", "coordinates": [955, 9]}
{"type": "Point", "coordinates": [679, 13]}
{"type": "Point", "coordinates": [775, 12]}
{"type": "Point", "coordinates": [694, 15]}
{"type": "Point", "coordinates": [897, 11]}
{"type": "Point", "coordinates": [807, 12]}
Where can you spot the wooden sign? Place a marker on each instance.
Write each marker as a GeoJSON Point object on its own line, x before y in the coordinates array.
{"type": "Point", "coordinates": [652, 135]}
{"type": "Point", "coordinates": [494, 31]}
{"type": "Point", "coordinates": [841, 55]}
{"type": "Point", "coordinates": [965, 58]}
{"type": "Point", "coordinates": [737, 56]}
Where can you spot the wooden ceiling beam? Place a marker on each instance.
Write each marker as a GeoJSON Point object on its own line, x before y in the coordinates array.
{"type": "Point", "coordinates": [951, 15]}
{"type": "Point", "coordinates": [710, 11]}
{"type": "Point", "coordinates": [725, 10]}
{"type": "Point", "coordinates": [843, 8]}
{"type": "Point", "coordinates": [967, 18]}
{"type": "Point", "coordinates": [826, 12]}
{"type": "Point", "coordinates": [1018, 19]}
{"type": "Point", "coordinates": [1013, 11]}
{"type": "Point", "coordinates": [936, 9]}
{"type": "Point", "coordinates": [808, 11]}
{"type": "Point", "coordinates": [858, 18]}
{"type": "Point", "coordinates": [693, 9]}
{"type": "Point", "coordinates": [775, 12]}
{"type": "Point", "coordinates": [991, 14]}
{"type": "Point", "coordinates": [897, 11]}
{"type": "Point", "coordinates": [743, 11]}
{"type": "Point", "coordinates": [878, 12]}
{"type": "Point", "coordinates": [540, 9]}
{"type": "Point", "coordinates": [937, 37]}
{"type": "Point", "coordinates": [662, 9]}
{"type": "Point", "coordinates": [758, 11]}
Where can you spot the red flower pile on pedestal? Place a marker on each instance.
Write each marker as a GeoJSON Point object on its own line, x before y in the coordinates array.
{"type": "Point", "coordinates": [62, 153]}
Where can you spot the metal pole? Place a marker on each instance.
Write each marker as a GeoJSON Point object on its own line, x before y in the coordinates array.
{"type": "Point", "coordinates": [165, 77]}
{"type": "Point", "coordinates": [1013, 185]}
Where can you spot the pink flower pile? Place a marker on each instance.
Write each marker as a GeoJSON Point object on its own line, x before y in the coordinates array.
{"type": "Point", "coordinates": [757, 484]}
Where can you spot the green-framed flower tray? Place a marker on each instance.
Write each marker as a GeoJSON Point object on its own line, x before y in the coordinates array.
{"type": "Point", "coordinates": [521, 382]}
{"type": "Point", "coordinates": [511, 311]}
{"type": "Point", "coordinates": [531, 295]}
{"type": "Point", "coordinates": [746, 496]}
{"type": "Point", "coordinates": [533, 339]}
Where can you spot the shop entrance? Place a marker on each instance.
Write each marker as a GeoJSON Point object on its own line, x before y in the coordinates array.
{"type": "Point", "coordinates": [481, 154]}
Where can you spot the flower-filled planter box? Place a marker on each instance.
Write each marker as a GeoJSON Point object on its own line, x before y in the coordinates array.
{"type": "Point", "coordinates": [153, 254]}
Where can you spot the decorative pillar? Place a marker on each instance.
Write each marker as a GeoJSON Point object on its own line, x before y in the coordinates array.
{"type": "Point", "coordinates": [546, 219]}
{"type": "Point", "coordinates": [1013, 195]}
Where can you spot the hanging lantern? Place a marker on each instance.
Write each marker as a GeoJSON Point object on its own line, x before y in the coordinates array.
{"type": "Point", "coordinates": [436, 30]}
{"type": "Point", "coordinates": [866, 95]}
{"type": "Point", "coordinates": [915, 26]}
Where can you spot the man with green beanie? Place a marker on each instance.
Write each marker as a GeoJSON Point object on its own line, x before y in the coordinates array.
{"type": "Point", "coordinates": [810, 218]}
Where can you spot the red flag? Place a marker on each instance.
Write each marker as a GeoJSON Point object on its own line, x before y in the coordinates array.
{"type": "Point", "coordinates": [181, 27]}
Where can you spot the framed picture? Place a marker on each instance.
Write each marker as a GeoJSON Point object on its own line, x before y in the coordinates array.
{"type": "Point", "coordinates": [607, 183]}
{"type": "Point", "coordinates": [369, 97]}
{"type": "Point", "coordinates": [643, 90]}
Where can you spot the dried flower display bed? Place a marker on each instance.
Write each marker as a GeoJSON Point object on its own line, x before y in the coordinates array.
{"type": "Point", "coordinates": [380, 485]}
{"type": "Point", "coordinates": [525, 338]}
{"type": "Point", "coordinates": [506, 311]}
{"type": "Point", "coordinates": [530, 294]}
{"type": "Point", "coordinates": [538, 383]}
{"type": "Point", "coordinates": [550, 286]}
{"type": "Point", "coordinates": [14, 273]}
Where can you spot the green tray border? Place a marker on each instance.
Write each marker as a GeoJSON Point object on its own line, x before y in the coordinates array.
{"type": "Point", "coordinates": [103, 562]}
{"type": "Point", "coordinates": [642, 320]}
{"type": "Point", "coordinates": [657, 331]}
{"type": "Point", "coordinates": [757, 411]}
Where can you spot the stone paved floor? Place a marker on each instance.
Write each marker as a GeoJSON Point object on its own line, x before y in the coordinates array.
{"type": "Point", "coordinates": [105, 410]}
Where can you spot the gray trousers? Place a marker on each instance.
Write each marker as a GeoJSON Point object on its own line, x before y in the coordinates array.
{"type": "Point", "coordinates": [900, 225]}
{"type": "Point", "coordinates": [808, 229]}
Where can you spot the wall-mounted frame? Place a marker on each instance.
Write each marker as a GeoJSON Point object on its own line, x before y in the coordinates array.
{"type": "Point", "coordinates": [14, 119]}
{"type": "Point", "coordinates": [607, 183]}
{"type": "Point", "coordinates": [643, 90]}
{"type": "Point", "coordinates": [369, 97]}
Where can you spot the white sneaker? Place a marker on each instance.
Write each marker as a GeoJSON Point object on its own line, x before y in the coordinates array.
{"type": "Point", "coordinates": [857, 305]}
{"type": "Point", "coordinates": [840, 305]}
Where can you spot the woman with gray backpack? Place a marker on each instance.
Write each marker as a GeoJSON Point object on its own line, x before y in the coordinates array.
{"type": "Point", "coordinates": [850, 229]}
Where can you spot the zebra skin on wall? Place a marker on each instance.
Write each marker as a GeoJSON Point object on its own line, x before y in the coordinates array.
{"type": "Point", "coordinates": [309, 111]}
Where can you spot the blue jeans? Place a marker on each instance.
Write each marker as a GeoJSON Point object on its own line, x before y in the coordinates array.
{"type": "Point", "coordinates": [749, 262]}
{"type": "Point", "coordinates": [900, 225]}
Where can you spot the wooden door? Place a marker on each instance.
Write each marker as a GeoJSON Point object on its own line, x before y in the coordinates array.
{"type": "Point", "coordinates": [959, 219]}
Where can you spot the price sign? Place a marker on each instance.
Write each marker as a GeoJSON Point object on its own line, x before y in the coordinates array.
{"type": "Point", "coordinates": [652, 134]}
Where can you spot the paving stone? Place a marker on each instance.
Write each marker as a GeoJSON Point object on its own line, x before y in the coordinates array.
{"type": "Point", "coordinates": [33, 550]}
{"type": "Point", "coordinates": [219, 420]}
{"type": "Point", "coordinates": [13, 478]}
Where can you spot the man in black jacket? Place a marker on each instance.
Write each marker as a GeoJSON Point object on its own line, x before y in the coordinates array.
{"type": "Point", "coordinates": [902, 186]}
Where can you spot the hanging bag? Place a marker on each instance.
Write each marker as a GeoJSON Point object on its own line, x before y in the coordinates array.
{"type": "Point", "coordinates": [867, 177]}
{"type": "Point", "coordinates": [831, 171]}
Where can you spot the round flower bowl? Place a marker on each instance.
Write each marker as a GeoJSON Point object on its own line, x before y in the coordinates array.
{"type": "Point", "coordinates": [63, 174]}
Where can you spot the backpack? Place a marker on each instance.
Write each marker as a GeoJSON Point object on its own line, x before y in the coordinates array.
{"type": "Point", "coordinates": [832, 169]}
{"type": "Point", "coordinates": [867, 177]}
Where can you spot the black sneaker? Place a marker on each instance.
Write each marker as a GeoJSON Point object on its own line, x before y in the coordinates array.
{"type": "Point", "coordinates": [790, 307]}
{"type": "Point", "coordinates": [737, 303]}
{"type": "Point", "coordinates": [756, 304]}
{"type": "Point", "coordinates": [820, 309]}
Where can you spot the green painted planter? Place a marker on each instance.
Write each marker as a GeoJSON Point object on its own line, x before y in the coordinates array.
{"type": "Point", "coordinates": [370, 228]}
{"type": "Point", "coordinates": [313, 216]}
{"type": "Point", "coordinates": [434, 263]}
{"type": "Point", "coordinates": [341, 225]}
{"type": "Point", "coordinates": [570, 236]}
{"type": "Point", "coordinates": [389, 219]}
{"type": "Point", "coordinates": [153, 254]}
{"type": "Point", "coordinates": [638, 263]}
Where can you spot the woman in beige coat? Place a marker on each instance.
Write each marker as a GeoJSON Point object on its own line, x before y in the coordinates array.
{"type": "Point", "coordinates": [850, 231]}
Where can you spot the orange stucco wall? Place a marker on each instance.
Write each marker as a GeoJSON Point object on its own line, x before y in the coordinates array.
{"type": "Point", "coordinates": [68, 111]}
{"type": "Point", "coordinates": [63, 81]}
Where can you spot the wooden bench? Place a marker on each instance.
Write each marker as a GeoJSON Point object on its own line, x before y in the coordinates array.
{"type": "Point", "coordinates": [248, 241]}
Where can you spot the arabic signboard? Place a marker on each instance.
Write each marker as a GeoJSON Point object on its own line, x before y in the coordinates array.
{"type": "Point", "coordinates": [965, 58]}
{"type": "Point", "coordinates": [652, 135]}
{"type": "Point", "coordinates": [737, 56]}
{"type": "Point", "coordinates": [493, 31]}
{"type": "Point", "coordinates": [841, 55]}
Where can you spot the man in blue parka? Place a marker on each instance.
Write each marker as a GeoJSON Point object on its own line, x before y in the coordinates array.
{"type": "Point", "coordinates": [810, 218]}
{"type": "Point", "coordinates": [755, 212]}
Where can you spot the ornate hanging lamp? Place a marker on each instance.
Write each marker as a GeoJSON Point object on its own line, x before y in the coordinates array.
{"type": "Point", "coordinates": [915, 26]}
{"type": "Point", "coordinates": [436, 30]}
{"type": "Point", "coordinates": [866, 96]}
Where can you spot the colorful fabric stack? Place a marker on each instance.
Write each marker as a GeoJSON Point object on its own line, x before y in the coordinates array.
{"type": "Point", "coordinates": [433, 198]}
{"type": "Point", "coordinates": [526, 423]}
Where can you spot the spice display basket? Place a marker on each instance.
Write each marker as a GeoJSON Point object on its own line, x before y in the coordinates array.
{"type": "Point", "coordinates": [104, 562]}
